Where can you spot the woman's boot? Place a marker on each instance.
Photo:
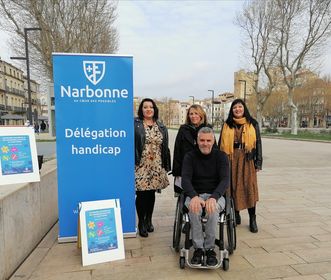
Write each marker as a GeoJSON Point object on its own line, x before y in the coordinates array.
{"type": "Point", "coordinates": [238, 218]}
{"type": "Point", "coordinates": [142, 228]}
{"type": "Point", "coordinates": [252, 224]}
{"type": "Point", "coordinates": [149, 225]}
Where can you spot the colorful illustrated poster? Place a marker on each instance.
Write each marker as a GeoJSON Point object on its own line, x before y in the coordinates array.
{"type": "Point", "coordinates": [15, 155]}
{"type": "Point", "coordinates": [101, 230]}
{"type": "Point", "coordinates": [18, 155]}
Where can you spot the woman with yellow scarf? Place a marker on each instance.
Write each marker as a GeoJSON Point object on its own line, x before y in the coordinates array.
{"type": "Point", "coordinates": [240, 139]}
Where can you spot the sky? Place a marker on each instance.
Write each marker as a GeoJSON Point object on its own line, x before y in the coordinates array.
{"type": "Point", "coordinates": [180, 48]}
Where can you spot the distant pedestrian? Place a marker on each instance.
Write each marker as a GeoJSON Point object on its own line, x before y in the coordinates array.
{"type": "Point", "coordinates": [36, 128]}
{"type": "Point", "coordinates": [42, 126]}
{"type": "Point", "coordinates": [240, 139]}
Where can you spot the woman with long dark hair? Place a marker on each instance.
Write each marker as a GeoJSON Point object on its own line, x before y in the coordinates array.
{"type": "Point", "coordinates": [152, 162]}
{"type": "Point", "coordinates": [240, 139]}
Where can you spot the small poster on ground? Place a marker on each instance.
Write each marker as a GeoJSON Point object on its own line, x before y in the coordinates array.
{"type": "Point", "coordinates": [101, 231]}
{"type": "Point", "coordinates": [18, 156]}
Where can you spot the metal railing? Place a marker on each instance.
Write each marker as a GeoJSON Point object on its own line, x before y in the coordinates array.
{"type": "Point", "coordinates": [15, 91]}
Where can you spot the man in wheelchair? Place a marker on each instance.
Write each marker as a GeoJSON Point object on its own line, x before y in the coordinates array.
{"type": "Point", "coordinates": [205, 178]}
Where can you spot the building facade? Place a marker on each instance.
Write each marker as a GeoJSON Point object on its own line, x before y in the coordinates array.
{"type": "Point", "coordinates": [12, 95]}
{"type": "Point", "coordinates": [14, 101]}
{"type": "Point", "coordinates": [244, 83]}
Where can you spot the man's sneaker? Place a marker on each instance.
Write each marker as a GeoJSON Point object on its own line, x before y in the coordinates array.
{"type": "Point", "coordinates": [197, 256]}
{"type": "Point", "coordinates": [211, 257]}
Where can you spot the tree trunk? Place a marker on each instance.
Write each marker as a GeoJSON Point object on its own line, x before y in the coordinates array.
{"type": "Point", "coordinates": [259, 115]}
{"type": "Point", "coordinates": [294, 112]}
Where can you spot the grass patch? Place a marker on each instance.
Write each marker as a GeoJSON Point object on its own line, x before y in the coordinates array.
{"type": "Point", "coordinates": [302, 135]}
{"type": "Point", "coordinates": [45, 140]}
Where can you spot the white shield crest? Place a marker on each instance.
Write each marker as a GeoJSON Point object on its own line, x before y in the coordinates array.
{"type": "Point", "coordinates": [94, 70]}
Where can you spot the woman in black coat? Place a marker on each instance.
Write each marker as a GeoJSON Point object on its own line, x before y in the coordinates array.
{"type": "Point", "coordinates": [186, 139]}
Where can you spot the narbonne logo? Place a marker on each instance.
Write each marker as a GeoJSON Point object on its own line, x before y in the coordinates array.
{"type": "Point", "coordinates": [94, 70]}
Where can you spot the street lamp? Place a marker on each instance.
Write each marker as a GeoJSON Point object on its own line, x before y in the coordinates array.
{"type": "Point", "coordinates": [192, 98]}
{"type": "Point", "coordinates": [212, 106]}
{"type": "Point", "coordinates": [26, 58]}
{"type": "Point", "coordinates": [244, 81]}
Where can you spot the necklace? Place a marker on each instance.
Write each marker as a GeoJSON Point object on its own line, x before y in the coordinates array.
{"type": "Point", "coordinates": [148, 122]}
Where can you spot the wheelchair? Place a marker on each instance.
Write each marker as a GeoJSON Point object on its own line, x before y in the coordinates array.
{"type": "Point", "coordinates": [227, 227]}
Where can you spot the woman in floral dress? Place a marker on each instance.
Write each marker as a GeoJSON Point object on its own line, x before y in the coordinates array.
{"type": "Point", "coordinates": [152, 162]}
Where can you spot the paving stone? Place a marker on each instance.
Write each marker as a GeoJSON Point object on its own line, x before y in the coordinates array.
{"type": "Point", "coordinates": [323, 244]}
{"type": "Point", "coordinates": [289, 247]}
{"type": "Point", "coordinates": [270, 259]}
{"type": "Point", "coordinates": [313, 268]}
{"type": "Point", "coordinates": [302, 231]}
{"type": "Point", "coordinates": [26, 269]}
{"type": "Point", "coordinates": [132, 243]}
{"type": "Point", "coordinates": [315, 255]}
{"type": "Point", "coordinates": [306, 277]}
{"type": "Point", "coordinates": [327, 276]}
{"type": "Point", "coordinates": [259, 273]}
{"type": "Point", "coordinates": [278, 241]}
{"type": "Point", "coordinates": [75, 275]}
{"type": "Point", "coordinates": [322, 237]}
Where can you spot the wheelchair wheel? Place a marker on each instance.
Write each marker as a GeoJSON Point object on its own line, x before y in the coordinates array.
{"type": "Point", "coordinates": [177, 230]}
{"type": "Point", "coordinates": [231, 229]}
{"type": "Point", "coordinates": [226, 264]}
{"type": "Point", "coordinates": [182, 262]}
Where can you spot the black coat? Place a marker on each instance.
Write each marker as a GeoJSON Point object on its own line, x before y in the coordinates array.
{"type": "Point", "coordinates": [186, 141]}
{"type": "Point", "coordinates": [140, 138]}
{"type": "Point", "coordinates": [257, 152]}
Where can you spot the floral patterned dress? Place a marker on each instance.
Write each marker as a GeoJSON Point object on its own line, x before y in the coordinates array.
{"type": "Point", "coordinates": [150, 175]}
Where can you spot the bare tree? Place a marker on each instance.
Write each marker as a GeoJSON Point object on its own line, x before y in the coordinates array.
{"type": "Point", "coordinates": [303, 27]}
{"type": "Point", "coordinates": [292, 31]}
{"type": "Point", "coordinates": [83, 26]}
{"type": "Point", "coordinates": [257, 22]}
{"type": "Point", "coordinates": [276, 110]}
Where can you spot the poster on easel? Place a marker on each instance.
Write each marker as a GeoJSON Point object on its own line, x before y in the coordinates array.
{"type": "Point", "coordinates": [101, 233]}
{"type": "Point", "coordinates": [18, 156]}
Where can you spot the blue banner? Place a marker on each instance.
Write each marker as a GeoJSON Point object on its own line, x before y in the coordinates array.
{"type": "Point", "coordinates": [94, 135]}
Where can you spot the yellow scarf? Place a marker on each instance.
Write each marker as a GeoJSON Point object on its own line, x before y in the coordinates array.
{"type": "Point", "coordinates": [248, 137]}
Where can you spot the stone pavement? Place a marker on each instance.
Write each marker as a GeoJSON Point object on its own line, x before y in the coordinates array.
{"type": "Point", "coordinates": [293, 242]}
